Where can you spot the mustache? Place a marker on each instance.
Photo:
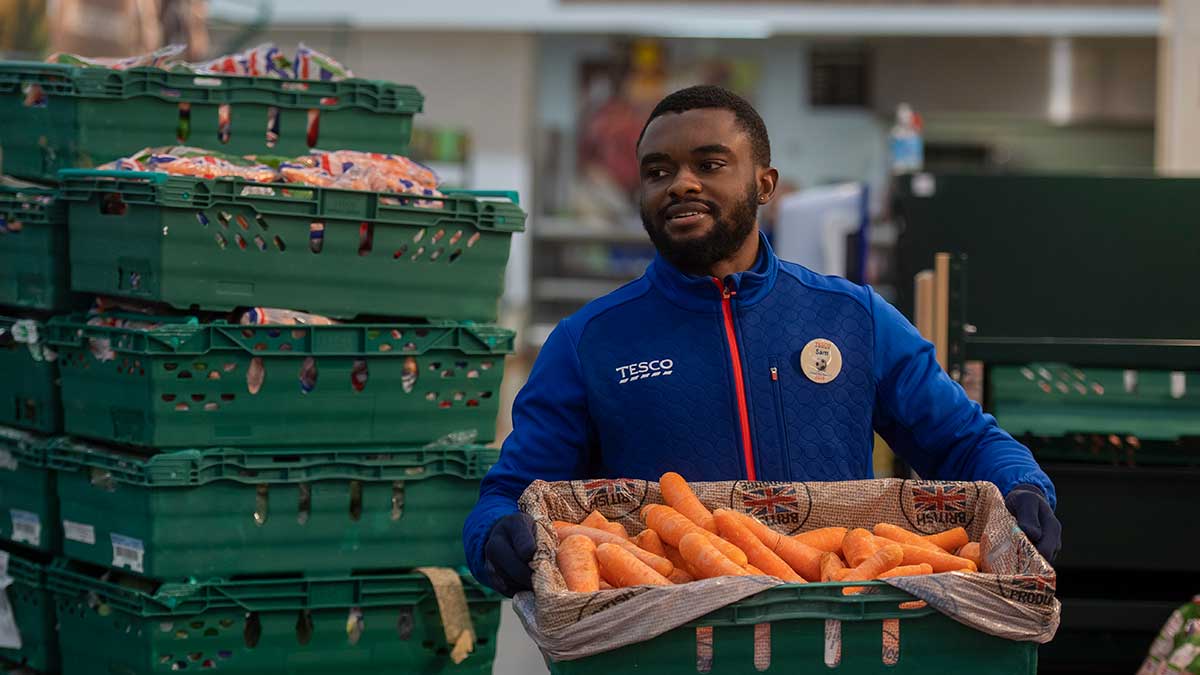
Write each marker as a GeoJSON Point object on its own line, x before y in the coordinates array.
{"type": "Point", "coordinates": [713, 209]}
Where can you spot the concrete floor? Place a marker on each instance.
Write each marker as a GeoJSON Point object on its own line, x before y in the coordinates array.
{"type": "Point", "coordinates": [515, 652]}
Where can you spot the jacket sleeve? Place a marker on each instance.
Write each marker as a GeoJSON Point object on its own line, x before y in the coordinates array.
{"type": "Point", "coordinates": [927, 418]}
{"type": "Point", "coordinates": [551, 440]}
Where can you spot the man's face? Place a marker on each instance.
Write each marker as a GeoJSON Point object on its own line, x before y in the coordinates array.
{"type": "Point", "coordinates": [699, 187]}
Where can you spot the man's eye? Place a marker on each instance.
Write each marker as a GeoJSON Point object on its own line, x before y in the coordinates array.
{"type": "Point", "coordinates": [711, 166]}
{"type": "Point", "coordinates": [655, 174]}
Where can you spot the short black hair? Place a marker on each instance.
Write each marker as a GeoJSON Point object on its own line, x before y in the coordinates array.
{"type": "Point", "coordinates": [711, 96]}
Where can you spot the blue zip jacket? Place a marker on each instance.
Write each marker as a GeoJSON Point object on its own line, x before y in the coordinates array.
{"type": "Point", "coordinates": [706, 377]}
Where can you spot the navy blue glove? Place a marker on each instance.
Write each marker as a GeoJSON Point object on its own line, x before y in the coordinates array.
{"type": "Point", "coordinates": [507, 554]}
{"type": "Point", "coordinates": [1028, 505]}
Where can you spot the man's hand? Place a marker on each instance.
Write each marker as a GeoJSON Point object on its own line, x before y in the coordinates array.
{"type": "Point", "coordinates": [1028, 505]}
{"type": "Point", "coordinates": [507, 553]}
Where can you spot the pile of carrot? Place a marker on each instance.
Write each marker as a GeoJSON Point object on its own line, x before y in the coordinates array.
{"type": "Point", "coordinates": [683, 541]}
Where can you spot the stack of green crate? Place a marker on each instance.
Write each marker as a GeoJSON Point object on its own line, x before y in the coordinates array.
{"type": "Point", "coordinates": [253, 497]}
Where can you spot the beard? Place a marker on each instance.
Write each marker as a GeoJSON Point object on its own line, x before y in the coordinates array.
{"type": "Point", "coordinates": [697, 255]}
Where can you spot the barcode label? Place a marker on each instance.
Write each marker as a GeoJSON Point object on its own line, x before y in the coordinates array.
{"type": "Point", "coordinates": [84, 534]}
{"type": "Point", "coordinates": [128, 552]}
{"type": "Point", "coordinates": [26, 527]}
{"type": "Point", "coordinates": [7, 461]}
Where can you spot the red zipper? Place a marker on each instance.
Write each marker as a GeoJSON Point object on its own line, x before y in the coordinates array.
{"type": "Point", "coordinates": [739, 381]}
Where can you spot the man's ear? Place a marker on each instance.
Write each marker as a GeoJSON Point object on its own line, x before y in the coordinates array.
{"type": "Point", "coordinates": [767, 180]}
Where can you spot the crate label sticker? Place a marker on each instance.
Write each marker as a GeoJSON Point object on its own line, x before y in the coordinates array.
{"type": "Point", "coordinates": [7, 461]}
{"type": "Point", "coordinates": [26, 527]}
{"type": "Point", "coordinates": [128, 552]}
{"type": "Point", "coordinates": [84, 534]}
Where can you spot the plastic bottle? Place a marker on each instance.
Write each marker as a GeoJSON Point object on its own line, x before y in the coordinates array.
{"type": "Point", "coordinates": [907, 146]}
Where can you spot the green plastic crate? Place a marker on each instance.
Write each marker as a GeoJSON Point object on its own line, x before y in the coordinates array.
{"type": "Point", "coordinates": [222, 243]}
{"type": "Point", "coordinates": [95, 115]}
{"type": "Point", "coordinates": [29, 394]}
{"type": "Point", "coordinates": [186, 385]}
{"type": "Point", "coordinates": [814, 628]}
{"type": "Point", "coordinates": [221, 512]}
{"type": "Point", "coordinates": [33, 248]}
{"type": "Point", "coordinates": [28, 496]}
{"type": "Point", "coordinates": [1067, 413]}
{"type": "Point", "coordinates": [33, 611]}
{"type": "Point", "coordinates": [278, 625]}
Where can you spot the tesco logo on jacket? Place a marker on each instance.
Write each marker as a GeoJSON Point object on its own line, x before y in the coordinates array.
{"type": "Point", "coordinates": [644, 370]}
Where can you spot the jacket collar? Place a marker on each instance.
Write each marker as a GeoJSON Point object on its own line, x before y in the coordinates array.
{"type": "Point", "coordinates": [701, 293]}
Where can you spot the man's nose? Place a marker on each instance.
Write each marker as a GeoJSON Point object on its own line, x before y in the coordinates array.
{"type": "Point", "coordinates": [685, 183]}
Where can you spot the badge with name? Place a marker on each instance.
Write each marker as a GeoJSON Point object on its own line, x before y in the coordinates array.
{"type": "Point", "coordinates": [821, 361]}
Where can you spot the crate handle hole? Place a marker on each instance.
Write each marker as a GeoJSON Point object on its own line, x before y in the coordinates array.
{"type": "Point", "coordinates": [202, 219]}
{"type": "Point", "coordinates": [316, 237]}
{"type": "Point", "coordinates": [185, 375]}
{"type": "Point", "coordinates": [179, 665]}
{"type": "Point", "coordinates": [303, 503]}
{"type": "Point", "coordinates": [168, 398]}
{"type": "Point", "coordinates": [397, 499]}
{"type": "Point", "coordinates": [221, 241]}
{"type": "Point", "coordinates": [437, 254]}
{"type": "Point", "coordinates": [242, 222]}
{"type": "Point", "coordinates": [272, 126]}
{"type": "Point", "coordinates": [437, 236]}
{"type": "Point", "coordinates": [112, 204]}
{"type": "Point", "coordinates": [704, 649]}
{"type": "Point", "coordinates": [431, 396]}
{"type": "Point", "coordinates": [211, 632]}
{"type": "Point", "coordinates": [366, 238]}
{"type": "Point", "coordinates": [255, 375]}
{"type": "Point", "coordinates": [473, 240]}
{"type": "Point", "coordinates": [355, 625]}
{"type": "Point", "coordinates": [308, 375]}
{"type": "Point", "coordinates": [261, 503]}
{"type": "Point", "coordinates": [399, 253]}
{"type": "Point", "coordinates": [472, 403]}
{"type": "Point", "coordinates": [253, 631]}
{"type": "Point", "coordinates": [183, 128]}
{"type": "Point", "coordinates": [455, 237]}
{"type": "Point", "coordinates": [456, 254]}
{"type": "Point", "coordinates": [762, 646]}
{"type": "Point", "coordinates": [417, 237]}
{"type": "Point", "coordinates": [833, 643]}
{"type": "Point", "coordinates": [304, 628]}
{"type": "Point", "coordinates": [419, 253]}
{"type": "Point", "coordinates": [359, 373]}
{"type": "Point", "coordinates": [35, 96]}
{"type": "Point", "coordinates": [224, 123]}
{"type": "Point", "coordinates": [211, 406]}
{"type": "Point", "coordinates": [181, 407]}
{"type": "Point", "coordinates": [208, 663]}
{"type": "Point", "coordinates": [405, 623]}
{"type": "Point", "coordinates": [891, 642]}
{"type": "Point", "coordinates": [313, 133]}
{"type": "Point", "coordinates": [241, 241]}
{"type": "Point", "coordinates": [355, 500]}
{"type": "Point", "coordinates": [260, 243]}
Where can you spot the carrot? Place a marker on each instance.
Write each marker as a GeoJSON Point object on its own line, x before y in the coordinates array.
{"type": "Point", "coordinates": [879, 562]}
{"type": "Point", "coordinates": [604, 585]}
{"type": "Point", "coordinates": [577, 562]}
{"type": "Point", "coordinates": [830, 563]}
{"type": "Point", "coordinates": [680, 577]}
{"type": "Point", "coordinates": [802, 558]}
{"type": "Point", "coordinates": [825, 539]}
{"type": "Point", "coordinates": [594, 519]}
{"type": "Point", "coordinates": [972, 552]}
{"type": "Point", "coordinates": [671, 553]}
{"type": "Point", "coordinates": [903, 536]}
{"type": "Point", "coordinates": [759, 556]}
{"type": "Point", "coordinates": [857, 546]}
{"type": "Point", "coordinates": [939, 559]}
{"type": "Point", "coordinates": [622, 569]}
{"type": "Point", "coordinates": [617, 529]}
{"type": "Point", "coordinates": [679, 496]}
{"type": "Point", "coordinates": [898, 571]}
{"type": "Point", "coordinates": [907, 571]}
{"type": "Point", "coordinates": [648, 540]}
{"type": "Point", "coordinates": [672, 526]}
{"type": "Point", "coordinates": [950, 540]}
{"type": "Point", "coordinates": [706, 559]}
{"type": "Point", "coordinates": [657, 563]}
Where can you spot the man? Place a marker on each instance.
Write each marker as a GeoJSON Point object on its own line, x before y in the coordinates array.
{"type": "Point", "coordinates": [723, 362]}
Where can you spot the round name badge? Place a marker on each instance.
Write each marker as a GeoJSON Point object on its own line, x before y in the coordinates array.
{"type": "Point", "coordinates": [821, 361]}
